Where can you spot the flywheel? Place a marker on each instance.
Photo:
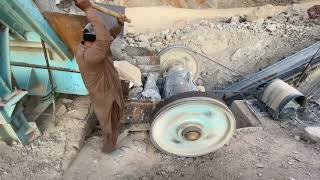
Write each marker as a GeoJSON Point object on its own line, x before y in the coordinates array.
{"type": "Point", "coordinates": [192, 124]}
{"type": "Point", "coordinates": [181, 55]}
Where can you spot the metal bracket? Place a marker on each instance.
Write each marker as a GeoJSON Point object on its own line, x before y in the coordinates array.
{"type": "Point", "coordinates": [13, 124]}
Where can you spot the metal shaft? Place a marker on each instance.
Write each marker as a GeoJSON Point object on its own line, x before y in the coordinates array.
{"type": "Point", "coordinates": [51, 81]}
{"type": "Point", "coordinates": [178, 81]}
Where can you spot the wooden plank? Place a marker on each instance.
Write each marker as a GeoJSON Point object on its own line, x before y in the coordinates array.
{"type": "Point", "coordinates": [68, 27]}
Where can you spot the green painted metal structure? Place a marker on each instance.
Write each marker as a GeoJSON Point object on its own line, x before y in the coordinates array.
{"type": "Point", "coordinates": [23, 69]}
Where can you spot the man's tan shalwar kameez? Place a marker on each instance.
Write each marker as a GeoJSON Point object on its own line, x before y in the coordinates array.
{"type": "Point", "coordinates": [102, 80]}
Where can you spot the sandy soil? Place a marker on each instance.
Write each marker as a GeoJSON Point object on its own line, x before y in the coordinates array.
{"type": "Point", "coordinates": [49, 155]}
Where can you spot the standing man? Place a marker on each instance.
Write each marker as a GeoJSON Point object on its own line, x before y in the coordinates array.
{"type": "Point", "coordinates": [99, 75]}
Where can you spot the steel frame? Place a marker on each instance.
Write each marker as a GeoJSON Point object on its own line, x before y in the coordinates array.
{"type": "Point", "coordinates": [13, 124]}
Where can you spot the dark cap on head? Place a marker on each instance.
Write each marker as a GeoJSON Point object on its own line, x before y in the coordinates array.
{"type": "Point", "coordinates": [88, 33]}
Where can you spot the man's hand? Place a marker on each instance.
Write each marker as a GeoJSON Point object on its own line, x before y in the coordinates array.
{"type": "Point", "coordinates": [122, 19]}
{"type": "Point", "coordinates": [84, 5]}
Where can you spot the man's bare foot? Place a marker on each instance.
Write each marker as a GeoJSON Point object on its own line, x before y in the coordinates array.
{"type": "Point", "coordinates": [108, 147]}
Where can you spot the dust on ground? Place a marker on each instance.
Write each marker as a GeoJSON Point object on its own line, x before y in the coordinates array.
{"type": "Point", "coordinates": [49, 155]}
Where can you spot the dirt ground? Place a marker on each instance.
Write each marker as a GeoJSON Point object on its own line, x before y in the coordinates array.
{"type": "Point", "coordinates": [245, 39]}
{"type": "Point", "coordinates": [49, 155]}
{"type": "Point", "coordinates": [195, 4]}
{"type": "Point", "coordinates": [267, 152]}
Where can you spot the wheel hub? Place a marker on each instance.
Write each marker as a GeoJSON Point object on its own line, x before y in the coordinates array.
{"type": "Point", "coordinates": [191, 133]}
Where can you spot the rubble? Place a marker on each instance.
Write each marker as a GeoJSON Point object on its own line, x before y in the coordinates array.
{"type": "Point", "coordinates": [128, 72]}
{"type": "Point", "coordinates": [117, 48]}
{"type": "Point", "coordinates": [259, 165]}
{"type": "Point", "coordinates": [201, 88]}
{"type": "Point", "coordinates": [271, 27]}
{"type": "Point", "coordinates": [66, 101]}
{"type": "Point", "coordinates": [151, 91]}
{"type": "Point", "coordinates": [77, 114]}
{"type": "Point", "coordinates": [234, 20]}
{"type": "Point", "coordinates": [48, 156]}
{"type": "Point", "coordinates": [61, 110]}
{"type": "Point", "coordinates": [200, 82]}
{"type": "Point", "coordinates": [139, 146]}
{"type": "Point", "coordinates": [135, 93]}
{"type": "Point", "coordinates": [143, 38]}
{"type": "Point", "coordinates": [297, 137]}
{"type": "Point", "coordinates": [251, 44]}
{"type": "Point", "coordinates": [314, 12]}
{"type": "Point", "coordinates": [156, 44]}
{"type": "Point", "coordinates": [313, 134]}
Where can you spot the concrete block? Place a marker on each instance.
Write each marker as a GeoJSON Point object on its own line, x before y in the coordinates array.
{"type": "Point", "coordinates": [244, 116]}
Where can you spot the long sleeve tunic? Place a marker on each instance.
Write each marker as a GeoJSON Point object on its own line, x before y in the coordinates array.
{"type": "Point", "coordinates": [102, 80]}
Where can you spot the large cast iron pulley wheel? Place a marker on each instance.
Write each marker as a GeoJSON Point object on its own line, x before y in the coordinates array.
{"type": "Point", "coordinates": [182, 55]}
{"type": "Point", "coordinates": [192, 124]}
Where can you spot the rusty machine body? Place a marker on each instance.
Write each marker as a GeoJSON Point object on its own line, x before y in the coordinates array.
{"type": "Point", "coordinates": [184, 121]}
{"type": "Point", "coordinates": [187, 122]}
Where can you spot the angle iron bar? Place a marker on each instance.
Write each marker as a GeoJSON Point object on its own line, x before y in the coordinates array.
{"type": "Point", "coordinates": [43, 67]}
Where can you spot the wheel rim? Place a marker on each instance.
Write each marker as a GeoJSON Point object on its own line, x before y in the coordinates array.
{"type": "Point", "coordinates": [192, 126]}
{"type": "Point", "coordinates": [181, 55]}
